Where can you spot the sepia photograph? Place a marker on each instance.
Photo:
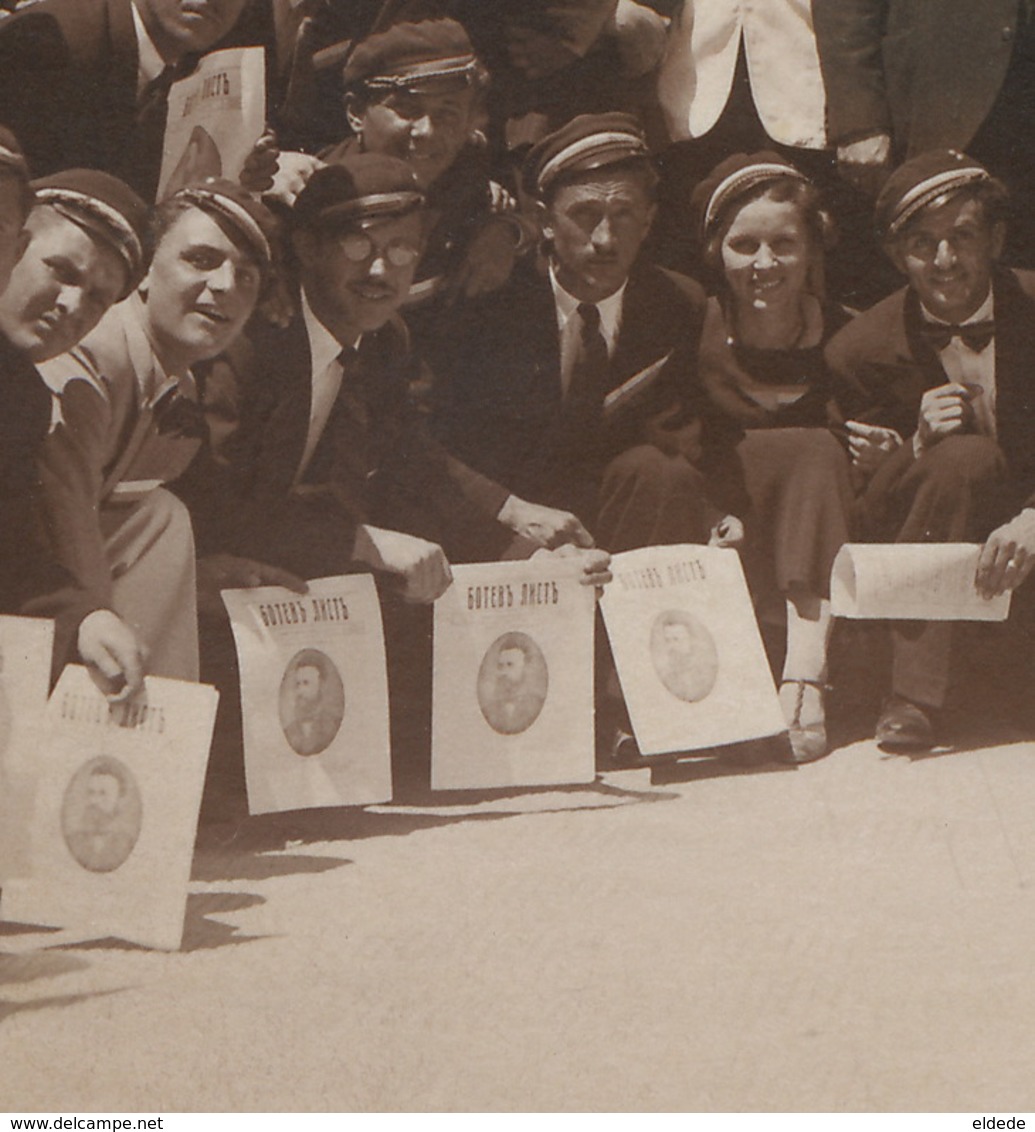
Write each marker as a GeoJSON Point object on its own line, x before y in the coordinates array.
{"type": "Point", "coordinates": [312, 702]}
{"type": "Point", "coordinates": [513, 682]}
{"type": "Point", "coordinates": [101, 814]}
{"type": "Point", "coordinates": [684, 655]}
{"type": "Point", "coordinates": [517, 525]}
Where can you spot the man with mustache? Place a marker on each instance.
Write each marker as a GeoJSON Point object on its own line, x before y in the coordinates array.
{"type": "Point", "coordinates": [935, 385]}
{"type": "Point", "coordinates": [104, 835]}
{"type": "Point", "coordinates": [130, 418]}
{"type": "Point", "coordinates": [417, 91]}
{"type": "Point", "coordinates": [313, 725]}
{"type": "Point", "coordinates": [517, 694]}
{"type": "Point", "coordinates": [575, 383]}
{"type": "Point", "coordinates": [80, 250]}
{"type": "Point", "coordinates": [85, 84]}
{"type": "Point", "coordinates": [313, 444]}
{"type": "Point", "coordinates": [332, 467]}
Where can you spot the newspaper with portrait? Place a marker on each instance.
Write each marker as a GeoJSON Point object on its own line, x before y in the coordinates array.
{"type": "Point", "coordinates": [216, 115]}
{"type": "Point", "coordinates": [314, 694]}
{"type": "Point", "coordinates": [512, 701]}
{"type": "Point", "coordinates": [26, 646]}
{"type": "Point", "coordinates": [117, 793]}
{"type": "Point", "coordinates": [687, 648]}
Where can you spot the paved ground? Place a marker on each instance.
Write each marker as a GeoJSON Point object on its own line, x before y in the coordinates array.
{"type": "Point", "coordinates": [852, 935]}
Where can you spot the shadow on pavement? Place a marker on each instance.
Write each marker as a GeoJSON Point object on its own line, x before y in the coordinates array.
{"type": "Point", "coordinates": [236, 857]}
{"type": "Point", "coordinates": [39, 965]}
{"type": "Point", "coordinates": [203, 934]}
{"type": "Point", "coordinates": [9, 1009]}
{"type": "Point", "coordinates": [269, 833]}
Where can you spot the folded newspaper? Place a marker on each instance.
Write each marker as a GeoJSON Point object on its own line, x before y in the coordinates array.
{"type": "Point", "coordinates": [314, 694]}
{"type": "Point", "coordinates": [911, 582]}
{"type": "Point", "coordinates": [117, 797]}
{"type": "Point", "coordinates": [513, 677]}
{"type": "Point", "coordinates": [687, 648]}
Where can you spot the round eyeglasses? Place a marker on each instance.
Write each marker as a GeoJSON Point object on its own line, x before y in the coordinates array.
{"type": "Point", "coordinates": [360, 248]}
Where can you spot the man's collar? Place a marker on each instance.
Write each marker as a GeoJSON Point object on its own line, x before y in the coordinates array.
{"type": "Point", "coordinates": [984, 313]}
{"type": "Point", "coordinates": [154, 378]}
{"type": "Point", "coordinates": [150, 63]}
{"type": "Point", "coordinates": [610, 308]}
{"type": "Point", "coordinates": [324, 348]}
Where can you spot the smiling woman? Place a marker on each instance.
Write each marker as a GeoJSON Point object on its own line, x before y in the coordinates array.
{"type": "Point", "coordinates": [764, 232]}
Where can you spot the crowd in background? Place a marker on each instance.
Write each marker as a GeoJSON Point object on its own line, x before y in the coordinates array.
{"type": "Point", "coordinates": [506, 278]}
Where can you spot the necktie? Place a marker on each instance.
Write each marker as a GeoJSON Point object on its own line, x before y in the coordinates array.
{"type": "Point", "coordinates": [344, 454]}
{"type": "Point", "coordinates": [974, 335]}
{"type": "Point", "coordinates": [176, 415]}
{"type": "Point", "coordinates": [589, 367]}
{"type": "Point", "coordinates": [143, 158]}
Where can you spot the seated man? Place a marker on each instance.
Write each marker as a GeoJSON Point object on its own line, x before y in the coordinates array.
{"type": "Point", "coordinates": [81, 249]}
{"type": "Point", "coordinates": [937, 398]}
{"type": "Point", "coordinates": [558, 383]}
{"type": "Point", "coordinates": [331, 470]}
{"type": "Point", "coordinates": [130, 419]}
{"type": "Point", "coordinates": [576, 384]}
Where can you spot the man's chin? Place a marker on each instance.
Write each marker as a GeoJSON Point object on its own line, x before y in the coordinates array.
{"type": "Point", "coordinates": [40, 350]}
{"type": "Point", "coordinates": [606, 279]}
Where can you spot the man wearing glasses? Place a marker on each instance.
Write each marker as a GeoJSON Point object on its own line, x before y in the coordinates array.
{"type": "Point", "coordinates": [332, 464]}
{"type": "Point", "coordinates": [332, 467]}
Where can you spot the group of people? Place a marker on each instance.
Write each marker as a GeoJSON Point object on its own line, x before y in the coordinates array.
{"type": "Point", "coordinates": [507, 279]}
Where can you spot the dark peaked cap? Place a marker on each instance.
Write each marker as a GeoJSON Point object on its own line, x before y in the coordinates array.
{"type": "Point", "coordinates": [105, 207]}
{"type": "Point", "coordinates": [586, 143]}
{"type": "Point", "coordinates": [362, 186]}
{"type": "Point", "coordinates": [248, 219]}
{"type": "Point", "coordinates": [419, 55]}
{"type": "Point", "coordinates": [923, 180]}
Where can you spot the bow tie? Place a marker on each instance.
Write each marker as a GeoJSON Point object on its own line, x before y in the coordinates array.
{"type": "Point", "coordinates": [974, 335]}
{"type": "Point", "coordinates": [176, 415]}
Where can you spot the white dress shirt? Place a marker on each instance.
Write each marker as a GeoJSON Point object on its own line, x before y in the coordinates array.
{"type": "Point", "coordinates": [972, 368]}
{"type": "Point", "coordinates": [325, 383]}
{"type": "Point", "coordinates": [569, 327]}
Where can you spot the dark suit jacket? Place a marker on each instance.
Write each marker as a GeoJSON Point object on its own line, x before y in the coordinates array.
{"type": "Point", "coordinates": [881, 365]}
{"type": "Point", "coordinates": [31, 581]}
{"type": "Point", "coordinates": [68, 89]}
{"type": "Point", "coordinates": [68, 77]}
{"type": "Point", "coordinates": [393, 476]}
{"type": "Point", "coordinates": [925, 71]}
{"type": "Point", "coordinates": [497, 369]}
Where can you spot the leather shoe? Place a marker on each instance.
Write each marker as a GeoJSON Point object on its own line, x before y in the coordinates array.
{"type": "Point", "coordinates": [618, 750]}
{"type": "Point", "coordinates": [905, 726]}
